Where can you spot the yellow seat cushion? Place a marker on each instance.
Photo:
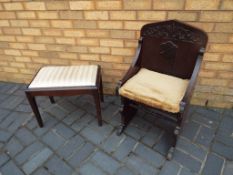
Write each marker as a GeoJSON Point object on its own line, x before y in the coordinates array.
{"type": "Point", "coordinates": [155, 89]}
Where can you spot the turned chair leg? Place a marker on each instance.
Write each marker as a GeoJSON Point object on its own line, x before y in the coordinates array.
{"type": "Point", "coordinates": [176, 134]}
{"type": "Point", "coordinates": [127, 114]}
{"type": "Point", "coordinates": [35, 109]}
{"type": "Point", "coordinates": [96, 97]}
{"type": "Point", "coordinates": [52, 99]}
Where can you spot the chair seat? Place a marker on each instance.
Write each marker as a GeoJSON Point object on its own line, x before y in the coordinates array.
{"type": "Point", "coordinates": [155, 89]}
{"type": "Point", "coordinates": [65, 76]}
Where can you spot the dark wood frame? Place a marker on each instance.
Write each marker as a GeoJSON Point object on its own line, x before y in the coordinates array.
{"type": "Point", "coordinates": [95, 91]}
{"type": "Point", "coordinates": [164, 30]}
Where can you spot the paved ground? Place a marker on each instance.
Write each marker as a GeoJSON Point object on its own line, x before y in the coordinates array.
{"type": "Point", "coordinates": [72, 143]}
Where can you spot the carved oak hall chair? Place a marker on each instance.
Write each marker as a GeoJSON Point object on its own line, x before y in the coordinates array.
{"type": "Point", "coordinates": [66, 81]}
{"type": "Point", "coordinates": [163, 73]}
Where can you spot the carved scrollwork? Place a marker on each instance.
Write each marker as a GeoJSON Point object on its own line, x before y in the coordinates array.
{"type": "Point", "coordinates": [173, 30]}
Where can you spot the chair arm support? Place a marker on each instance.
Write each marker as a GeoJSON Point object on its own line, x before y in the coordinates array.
{"type": "Point", "coordinates": [133, 68]}
{"type": "Point", "coordinates": [193, 79]}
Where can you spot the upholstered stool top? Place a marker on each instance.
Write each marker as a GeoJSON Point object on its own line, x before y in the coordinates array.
{"type": "Point", "coordinates": [155, 89]}
{"type": "Point", "coordinates": [65, 76]}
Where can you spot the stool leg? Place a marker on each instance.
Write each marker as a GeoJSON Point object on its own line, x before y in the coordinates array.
{"type": "Point", "coordinates": [34, 107]}
{"type": "Point", "coordinates": [98, 107]}
{"type": "Point", "coordinates": [101, 89]}
{"type": "Point", "coordinates": [52, 99]}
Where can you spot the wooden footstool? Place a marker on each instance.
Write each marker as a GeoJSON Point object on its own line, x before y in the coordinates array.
{"type": "Point", "coordinates": [66, 81]}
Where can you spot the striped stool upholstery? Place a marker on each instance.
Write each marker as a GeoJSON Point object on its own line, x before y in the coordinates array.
{"type": "Point", "coordinates": [65, 76]}
{"type": "Point", "coordinates": [65, 81]}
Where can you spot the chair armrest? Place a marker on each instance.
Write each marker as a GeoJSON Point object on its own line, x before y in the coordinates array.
{"type": "Point", "coordinates": [192, 81]}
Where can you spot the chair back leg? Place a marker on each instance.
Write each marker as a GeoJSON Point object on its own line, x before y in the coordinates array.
{"type": "Point", "coordinates": [97, 97]}
{"type": "Point", "coordinates": [51, 99]}
{"type": "Point", "coordinates": [101, 90]}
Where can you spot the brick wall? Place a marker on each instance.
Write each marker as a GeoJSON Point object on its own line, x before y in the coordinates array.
{"type": "Point", "coordinates": [105, 32]}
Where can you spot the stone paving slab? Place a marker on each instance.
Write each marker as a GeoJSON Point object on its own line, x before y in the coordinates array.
{"type": "Point", "coordinates": [71, 143]}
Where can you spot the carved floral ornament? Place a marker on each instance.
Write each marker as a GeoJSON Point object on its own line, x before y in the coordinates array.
{"type": "Point", "coordinates": [174, 31]}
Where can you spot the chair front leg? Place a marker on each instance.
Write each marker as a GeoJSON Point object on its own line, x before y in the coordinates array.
{"type": "Point", "coordinates": [34, 107]}
{"type": "Point", "coordinates": [176, 133]}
